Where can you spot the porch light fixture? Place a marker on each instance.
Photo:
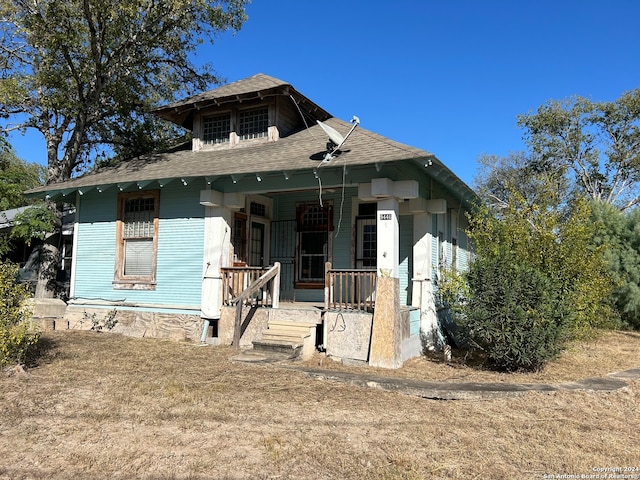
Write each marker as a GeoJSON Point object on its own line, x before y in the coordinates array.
{"type": "Point", "coordinates": [286, 175]}
{"type": "Point", "coordinates": [258, 177]}
{"type": "Point", "coordinates": [234, 179]}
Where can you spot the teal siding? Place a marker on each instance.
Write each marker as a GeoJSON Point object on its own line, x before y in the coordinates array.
{"type": "Point", "coordinates": [435, 246]}
{"type": "Point", "coordinates": [96, 243]}
{"type": "Point", "coordinates": [180, 249]}
{"type": "Point", "coordinates": [406, 258]}
{"type": "Point", "coordinates": [414, 322]}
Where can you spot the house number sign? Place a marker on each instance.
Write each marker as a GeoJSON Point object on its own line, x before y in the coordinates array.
{"type": "Point", "coordinates": [385, 216]}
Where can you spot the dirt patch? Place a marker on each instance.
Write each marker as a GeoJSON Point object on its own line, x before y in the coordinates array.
{"type": "Point", "coordinates": [100, 406]}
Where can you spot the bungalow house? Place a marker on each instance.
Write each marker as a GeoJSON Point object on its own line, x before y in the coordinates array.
{"type": "Point", "coordinates": [276, 218]}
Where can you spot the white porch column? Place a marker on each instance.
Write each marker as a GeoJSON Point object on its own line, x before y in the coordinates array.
{"type": "Point", "coordinates": [422, 293]}
{"type": "Point", "coordinates": [217, 254]}
{"type": "Point", "coordinates": [388, 237]}
{"type": "Point", "coordinates": [386, 331]}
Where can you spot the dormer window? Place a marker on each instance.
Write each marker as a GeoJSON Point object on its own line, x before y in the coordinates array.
{"type": "Point", "coordinates": [235, 126]}
{"type": "Point", "coordinates": [216, 129]}
{"type": "Point", "coordinates": [254, 123]}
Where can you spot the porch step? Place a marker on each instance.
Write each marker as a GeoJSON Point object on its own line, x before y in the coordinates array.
{"type": "Point", "coordinates": [297, 315]}
{"type": "Point", "coordinates": [293, 338]}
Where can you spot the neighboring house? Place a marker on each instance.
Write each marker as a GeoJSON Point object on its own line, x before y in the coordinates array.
{"type": "Point", "coordinates": [27, 255]}
{"type": "Point", "coordinates": [172, 239]}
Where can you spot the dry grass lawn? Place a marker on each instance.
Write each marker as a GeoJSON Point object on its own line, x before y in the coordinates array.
{"type": "Point", "coordinates": [100, 406]}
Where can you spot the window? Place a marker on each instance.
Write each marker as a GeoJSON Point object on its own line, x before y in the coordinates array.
{"type": "Point", "coordinates": [137, 240]}
{"type": "Point", "coordinates": [314, 223]}
{"type": "Point", "coordinates": [366, 236]}
{"type": "Point", "coordinates": [254, 123]}
{"type": "Point", "coordinates": [454, 254]}
{"type": "Point", "coordinates": [259, 209]}
{"type": "Point", "coordinates": [216, 129]}
{"type": "Point", "coordinates": [366, 245]}
{"type": "Point", "coordinates": [239, 238]}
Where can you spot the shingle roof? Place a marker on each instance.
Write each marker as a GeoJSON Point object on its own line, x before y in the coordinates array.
{"type": "Point", "coordinates": [251, 85]}
{"type": "Point", "coordinates": [256, 87]}
{"type": "Point", "coordinates": [299, 151]}
{"type": "Point", "coordinates": [302, 150]}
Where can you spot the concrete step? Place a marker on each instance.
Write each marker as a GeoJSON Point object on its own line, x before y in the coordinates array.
{"type": "Point", "coordinates": [291, 348]}
{"type": "Point", "coordinates": [284, 336]}
{"type": "Point", "coordinates": [297, 326]}
{"type": "Point", "coordinates": [297, 315]}
{"type": "Point", "coordinates": [287, 337]}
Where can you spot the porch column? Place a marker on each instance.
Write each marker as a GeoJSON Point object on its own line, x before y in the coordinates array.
{"type": "Point", "coordinates": [422, 293]}
{"type": "Point", "coordinates": [388, 237]}
{"type": "Point", "coordinates": [386, 334]}
{"type": "Point", "coordinates": [217, 254]}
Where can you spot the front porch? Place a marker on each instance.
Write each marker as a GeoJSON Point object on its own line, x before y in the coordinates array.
{"type": "Point", "coordinates": [253, 316]}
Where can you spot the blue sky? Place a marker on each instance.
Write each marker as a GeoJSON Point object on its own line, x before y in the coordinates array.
{"type": "Point", "coordinates": [447, 76]}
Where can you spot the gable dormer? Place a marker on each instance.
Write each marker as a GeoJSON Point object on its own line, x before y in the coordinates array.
{"type": "Point", "coordinates": [254, 110]}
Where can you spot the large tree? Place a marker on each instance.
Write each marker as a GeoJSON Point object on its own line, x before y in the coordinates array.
{"type": "Point", "coordinates": [16, 176]}
{"type": "Point", "coordinates": [597, 144]}
{"type": "Point", "coordinates": [84, 72]}
{"type": "Point", "coordinates": [77, 70]}
{"type": "Point", "coordinates": [498, 177]}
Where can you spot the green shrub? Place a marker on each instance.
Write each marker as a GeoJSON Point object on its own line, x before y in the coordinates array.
{"type": "Point", "coordinates": [517, 316]}
{"type": "Point", "coordinates": [17, 333]}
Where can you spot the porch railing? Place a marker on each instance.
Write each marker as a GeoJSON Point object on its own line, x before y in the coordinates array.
{"type": "Point", "coordinates": [255, 286]}
{"type": "Point", "coordinates": [235, 280]}
{"type": "Point", "coordinates": [349, 289]}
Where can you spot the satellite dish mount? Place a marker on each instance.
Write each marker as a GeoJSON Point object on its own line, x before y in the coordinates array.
{"type": "Point", "coordinates": [336, 140]}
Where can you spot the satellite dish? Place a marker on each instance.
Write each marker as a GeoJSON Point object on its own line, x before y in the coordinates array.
{"type": "Point", "coordinates": [332, 133]}
{"type": "Point", "coordinates": [335, 138]}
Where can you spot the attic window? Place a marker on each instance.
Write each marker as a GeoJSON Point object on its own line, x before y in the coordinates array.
{"type": "Point", "coordinates": [254, 123]}
{"type": "Point", "coordinates": [216, 129]}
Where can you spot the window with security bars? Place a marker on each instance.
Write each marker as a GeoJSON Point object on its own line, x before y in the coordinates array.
{"type": "Point", "coordinates": [253, 123]}
{"type": "Point", "coordinates": [216, 129]}
{"type": "Point", "coordinates": [137, 232]}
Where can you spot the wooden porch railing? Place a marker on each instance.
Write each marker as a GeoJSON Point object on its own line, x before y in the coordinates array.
{"type": "Point", "coordinates": [236, 279]}
{"type": "Point", "coordinates": [349, 289]}
{"type": "Point", "coordinates": [245, 285]}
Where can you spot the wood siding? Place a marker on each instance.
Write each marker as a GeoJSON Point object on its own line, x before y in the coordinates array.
{"type": "Point", "coordinates": [180, 249]}
{"type": "Point", "coordinates": [405, 271]}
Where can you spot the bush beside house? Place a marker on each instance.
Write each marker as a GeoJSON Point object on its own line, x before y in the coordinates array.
{"type": "Point", "coordinates": [18, 335]}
